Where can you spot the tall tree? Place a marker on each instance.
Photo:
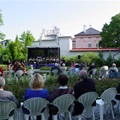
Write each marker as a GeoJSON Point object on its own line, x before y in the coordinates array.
{"type": "Point", "coordinates": [111, 33]}
{"type": "Point", "coordinates": [27, 37]}
{"type": "Point", "coordinates": [17, 50]}
{"type": "Point", "coordinates": [2, 36]}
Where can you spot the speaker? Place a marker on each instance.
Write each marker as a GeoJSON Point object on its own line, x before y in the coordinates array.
{"type": "Point", "coordinates": [79, 56]}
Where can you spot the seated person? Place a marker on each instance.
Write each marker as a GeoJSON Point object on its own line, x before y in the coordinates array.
{"type": "Point", "coordinates": [63, 89]}
{"type": "Point", "coordinates": [112, 73]}
{"type": "Point", "coordinates": [57, 68]}
{"type": "Point", "coordinates": [17, 66]}
{"type": "Point", "coordinates": [9, 64]}
{"type": "Point", "coordinates": [118, 91]}
{"type": "Point", "coordinates": [63, 68]}
{"type": "Point", "coordinates": [36, 90]}
{"type": "Point", "coordinates": [90, 68]}
{"type": "Point", "coordinates": [83, 66]}
{"type": "Point", "coordinates": [6, 95]}
{"type": "Point", "coordinates": [103, 72]}
{"type": "Point", "coordinates": [84, 85]}
{"type": "Point", "coordinates": [1, 71]}
{"type": "Point", "coordinates": [115, 101]}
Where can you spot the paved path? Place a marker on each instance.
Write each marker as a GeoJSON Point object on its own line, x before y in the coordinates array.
{"type": "Point", "coordinates": [107, 116]}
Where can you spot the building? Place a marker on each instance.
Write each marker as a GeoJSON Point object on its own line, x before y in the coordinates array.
{"type": "Point", "coordinates": [87, 39]}
{"type": "Point", "coordinates": [5, 42]}
{"type": "Point", "coordinates": [52, 38]}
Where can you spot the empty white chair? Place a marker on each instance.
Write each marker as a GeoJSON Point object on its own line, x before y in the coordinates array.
{"type": "Point", "coordinates": [29, 73]}
{"type": "Point", "coordinates": [18, 74]}
{"type": "Point", "coordinates": [105, 101]}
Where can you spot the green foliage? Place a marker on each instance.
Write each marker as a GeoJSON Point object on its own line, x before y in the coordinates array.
{"type": "Point", "coordinates": [89, 58]}
{"type": "Point", "coordinates": [2, 36]}
{"type": "Point", "coordinates": [69, 59]}
{"type": "Point", "coordinates": [16, 50]}
{"type": "Point", "coordinates": [27, 37]}
{"type": "Point", "coordinates": [102, 85]}
{"type": "Point", "coordinates": [111, 33]}
{"type": "Point", "coordinates": [109, 60]}
{"type": "Point", "coordinates": [19, 87]}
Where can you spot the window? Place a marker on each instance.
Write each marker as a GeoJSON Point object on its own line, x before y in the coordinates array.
{"type": "Point", "coordinates": [97, 45]}
{"type": "Point", "coordinates": [5, 43]}
{"type": "Point", "coordinates": [89, 45]}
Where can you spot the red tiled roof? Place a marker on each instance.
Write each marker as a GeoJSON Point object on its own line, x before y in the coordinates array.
{"type": "Point", "coordinates": [93, 49]}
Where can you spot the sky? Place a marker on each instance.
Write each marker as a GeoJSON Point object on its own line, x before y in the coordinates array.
{"type": "Point", "coordinates": [68, 15]}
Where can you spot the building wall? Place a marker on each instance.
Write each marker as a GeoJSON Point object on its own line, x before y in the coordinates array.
{"type": "Point", "coordinates": [64, 42]}
{"type": "Point", "coordinates": [89, 41]}
{"type": "Point", "coordinates": [105, 54]}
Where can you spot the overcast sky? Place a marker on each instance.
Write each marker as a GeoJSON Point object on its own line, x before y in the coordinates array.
{"type": "Point", "coordinates": [68, 15]}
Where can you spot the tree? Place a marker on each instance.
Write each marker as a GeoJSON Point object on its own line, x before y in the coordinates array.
{"type": "Point", "coordinates": [2, 36]}
{"type": "Point", "coordinates": [111, 33]}
{"type": "Point", "coordinates": [17, 50]}
{"type": "Point", "coordinates": [27, 37]}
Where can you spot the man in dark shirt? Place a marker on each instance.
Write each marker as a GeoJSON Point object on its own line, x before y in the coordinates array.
{"type": "Point", "coordinates": [84, 85]}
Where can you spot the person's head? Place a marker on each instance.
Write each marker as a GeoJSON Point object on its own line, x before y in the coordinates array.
{"type": "Point", "coordinates": [93, 64]}
{"type": "Point", "coordinates": [2, 82]}
{"type": "Point", "coordinates": [83, 74]}
{"type": "Point", "coordinates": [37, 81]}
{"type": "Point", "coordinates": [113, 65]}
{"type": "Point", "coordinates": [63, 64]}
{"type": "Point", "coordinates": [62, 79]}
{"type": "Point", "coordinates": [56, 64]}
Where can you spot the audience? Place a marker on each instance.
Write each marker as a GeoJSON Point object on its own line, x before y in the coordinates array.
{"type": "Point", "coordinates": [63, 89]}
{"type": "Point", "coordinates": [103, 72]}
{"type": "Point", "coordinates": [90, 68]}
{"type": "Point", "coordinates": [56, 68]}
{"type": "Point", "coordinates": [112, 73]}
{"type": "Point", "coordinates": [83, 66]}
{"type": "Point", "coordinates": [63, 68]}
{"type": "Point", "coordinates": [6, 95]}
{"type": "Point", "coordinates": [84, 85]}
{"type": "Point", "coordinates": [116, 100]}
{"type": "Point", "coordinates": [36, 90]}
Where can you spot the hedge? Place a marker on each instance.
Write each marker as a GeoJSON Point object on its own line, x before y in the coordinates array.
{"type": "Point", "coordinates": [19, 87]}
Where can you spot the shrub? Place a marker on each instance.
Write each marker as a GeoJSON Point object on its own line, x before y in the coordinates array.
{"type": "Point", "coordinates": [89, 57]}
{"type": "Point", "coordinates": [19, 87]}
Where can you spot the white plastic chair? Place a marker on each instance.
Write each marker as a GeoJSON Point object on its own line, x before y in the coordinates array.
{"type": "Point", "coordinates": [36, 106]}
{"type": "Point", "coordinates": [63, 103]}
{"type": "Point", "coordinates": [29, 73]}
{"type": "Point", "coordinates": [87, 100]}
{"type": "Point", "coordinates": [94, 71]}
{"type": "Point", "coordinates": [18, 74]}
{"type": "Point", "coordinates": [7, 110]}
{"type": "Point", "coordinates": [105, 101]}
{"type": "Point", "coordinates": [54, 72]}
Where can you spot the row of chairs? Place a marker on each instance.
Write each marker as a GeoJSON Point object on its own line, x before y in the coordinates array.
{"type": "Point", "coordinates": [39, 106]}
